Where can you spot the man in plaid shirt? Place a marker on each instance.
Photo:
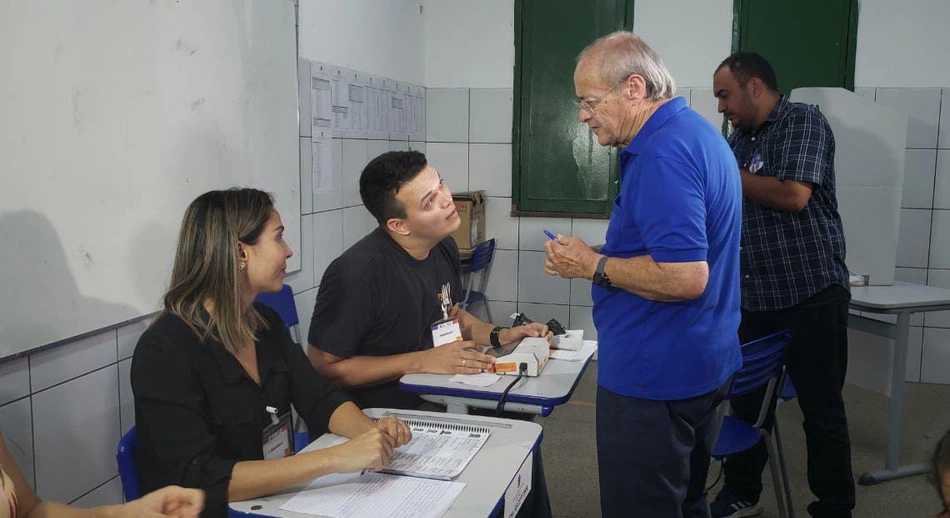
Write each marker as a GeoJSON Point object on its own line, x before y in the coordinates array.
{"type": "Point", "coordinates": [792, 274]}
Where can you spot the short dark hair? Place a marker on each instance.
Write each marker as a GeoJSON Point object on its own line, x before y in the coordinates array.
{"type": "Point", "coordinates": [746, 65]}
{"type": "Point", "coordinates": [939, 463]}
{"type": "Point", "coordinates": [383, 177]}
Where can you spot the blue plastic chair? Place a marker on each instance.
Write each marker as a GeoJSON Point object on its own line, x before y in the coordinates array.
{"type": "Point", "coordinates": [481, 262]}
{"type": "Point", "coordinates": [283, 303]}
{"type": "Point", "coordinates": [125, 457]}
{"type": "Point", "coordinates": [763, 365]}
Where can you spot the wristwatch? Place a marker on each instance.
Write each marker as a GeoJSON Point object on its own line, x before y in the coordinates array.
{"type": "Point", "coordinates": [493, 336]}
{"type": "Point", "coordinates": [600, 277]}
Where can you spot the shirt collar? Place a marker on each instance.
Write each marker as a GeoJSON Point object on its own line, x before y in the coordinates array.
{"type": "Point", "coordinates": [268, 359]}
{"type": "Point", "coordinates": [654, 123]}
{"type": "Point", "coordinates": [773, 116]}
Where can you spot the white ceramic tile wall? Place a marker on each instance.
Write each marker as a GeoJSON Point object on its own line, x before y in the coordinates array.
{"type": "Point", "coordinates": [592, 231]}
{"type": "Point", "coordinates": [16, 422]}
{"type": "Point", "coordinates": [490, 115]}
{"type": "Point", "coordinates": [126, 401]}
{"type": "Point", "coordinates": [69, 361]}
{"type": "Point", "coordinates": [129, 336]}
{"type": "Point", "coordinates": [76, 429]}
{"type": "Point", "coordinates": [915, 347]}
{"type": "Point", "coordinates": [544, 312]}
{"type": "Point", "coordinates": [581, 318]}
{"type": "Point", "coordinates": [14, 380]}
{"type": "Point", "coordinates": [106, 494]}
{"type": "Point", "coordinates": [703, 102]}
{"type": "Point", "coordinates": [943, 141]}
{"type": "Point", "coordinates": [447, 114]}
{"type": "Point", "coordinates": [532, 236]}
{"type": "Point", "coordinates": [451, 160]}
{"type": "Point", "coordinates": [940, 240]}
{"type": "Point", "coordinates": [942, 183]}
{"type": "Point", "coordinates": [490, 169]}
{"type": "Point", "coordinates": [355, 155]}
{"type": "Point", "coordinates": [328, 240]}
{"type": "Point", "coordinates": [941, 279]}
{"type": "Point", "coordinates": [374, 148]}
{"type": "Point", "coordinates": [936, 356]}
{"type": "Point", "coordinates": [922, 106]}
{"type": "Point", "coordinates": [305, 302]}
{"type": "Point", "coordinates": [503, 283]}
{"type": "Point", "coordinates": [914, 238]}
{"type": "Point", "coordinates": [303, 278]}
{"type": "Point", "coordinates": [499, 224]}
{"type": "Point", "coordinates": [919, 170]}
{"type": "Point", "coordinates": [357, 222]}
{"type": "Point", "coordinates": [536, 286]}
{"type": "Point", "coordinates": [501, 312]}
{"type": "Point", "coordinates": [580, 293]}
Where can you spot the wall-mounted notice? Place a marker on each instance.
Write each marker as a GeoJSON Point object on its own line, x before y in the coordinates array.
{"type": "Point", "coordinates": [358, 105]}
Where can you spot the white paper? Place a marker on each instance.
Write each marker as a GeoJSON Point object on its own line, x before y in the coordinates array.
{"type": "Point", "coordinates": [483, 379]}
{"type": "Point", "coordinates": [320, 91]}
{"type": "Point", "coordinates": [589, 348]}
{"type": "Point", "coordinates": [322, 149]}
{"type": "Point", "coordinates": [436, 451]}
{"type": "Point", "coordinates": [519, 487]}
{"type": "Point", "coordinates": [375, 495]}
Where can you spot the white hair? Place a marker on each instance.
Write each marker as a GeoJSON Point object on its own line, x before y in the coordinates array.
{"type": "Point", "coordinates": [623, 53]}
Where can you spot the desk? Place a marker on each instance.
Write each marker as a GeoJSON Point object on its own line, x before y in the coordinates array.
{"type": "Point", "coordinates": [486, 477]}
{"type": "Point", "coordinates": [532, 395]}
{"type": "Point", "coordinates": [901, 299]}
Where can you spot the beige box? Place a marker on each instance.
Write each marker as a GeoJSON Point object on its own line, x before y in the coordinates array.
{"type": "Point", "coordinates": [471, 208]}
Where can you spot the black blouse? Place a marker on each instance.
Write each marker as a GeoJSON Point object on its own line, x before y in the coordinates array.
{"type": "Point", "coordinates": [197, 412]}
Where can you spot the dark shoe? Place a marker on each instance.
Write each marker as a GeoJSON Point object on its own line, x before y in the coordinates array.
{"type": "Point", "coordinates": [727, 505]}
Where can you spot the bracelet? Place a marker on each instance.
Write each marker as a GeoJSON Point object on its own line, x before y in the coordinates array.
{"type": "Point", "coordinates": [493, 336]}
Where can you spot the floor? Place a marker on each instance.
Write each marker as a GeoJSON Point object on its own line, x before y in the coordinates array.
{"type": "Point", "coordinates": [571, 461]}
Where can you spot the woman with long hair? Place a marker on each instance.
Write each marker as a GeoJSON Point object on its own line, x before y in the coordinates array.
{"type": "Point", "coordinates": [215, 375]}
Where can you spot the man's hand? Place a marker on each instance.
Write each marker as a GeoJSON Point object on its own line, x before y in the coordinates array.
{"type": "Point", "coordinates": [396, 428]}
{"type": "Point", "coordinates": [534, 329]}
{"type": "Point", "coordinates": [570, 257]}
{"type": "Point", "coordinates": [461, 357]}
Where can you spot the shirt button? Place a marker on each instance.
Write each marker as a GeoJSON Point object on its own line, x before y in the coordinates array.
{"type": "Point", "coordinates": [746, 276]}
{"type": "Point", "coordinates": [753, 139]}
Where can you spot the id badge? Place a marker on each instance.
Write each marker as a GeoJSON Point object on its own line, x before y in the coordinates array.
{"type": "Point", "coordinates": [446, 331]}
{"type": "Point", "coordinates": [278, 438]}
{"type": "Point", "coordinates": [756, 162]}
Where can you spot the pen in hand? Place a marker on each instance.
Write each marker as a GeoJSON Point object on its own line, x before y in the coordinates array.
{"type": "Point", "coordinates": [549, 234]}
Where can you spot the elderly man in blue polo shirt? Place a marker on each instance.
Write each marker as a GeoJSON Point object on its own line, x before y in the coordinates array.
{"type": "Point", "coordinates": [665, 283]}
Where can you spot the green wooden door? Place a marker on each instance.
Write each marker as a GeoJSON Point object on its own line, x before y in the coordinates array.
{"type": "Point", "coordinates": [557, 164]}
{"type": "Point", "coordinates": [808, 42]}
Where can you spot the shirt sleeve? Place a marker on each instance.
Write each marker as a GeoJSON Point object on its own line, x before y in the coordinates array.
{"type": "Point", "coordinates": [170, 422]}
{"type": "Point", "coordinates": [342, 315]}
{"type": "Point", "coordinates": [801, 151]}
{"type": "Point", "coordinates": [670, 211]}
{"type": "Point", "coordinates": [314, 397]}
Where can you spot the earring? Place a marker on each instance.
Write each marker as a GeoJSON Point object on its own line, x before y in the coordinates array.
{"type": "Point", "coordinates": [243, 265]}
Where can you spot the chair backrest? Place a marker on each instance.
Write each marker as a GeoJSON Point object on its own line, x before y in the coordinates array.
{"type": "Point", "coordinates": [763, 365]}
{"type": "Point", "coordinates": [283, 303]}
{"type": "Point", "coordinates": [483, 254]}
{"type": "Point", "coordinates": [125, 457]}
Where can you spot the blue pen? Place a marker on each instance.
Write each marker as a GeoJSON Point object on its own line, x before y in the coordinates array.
{"type": "Point", "coordinates": [549, 234]}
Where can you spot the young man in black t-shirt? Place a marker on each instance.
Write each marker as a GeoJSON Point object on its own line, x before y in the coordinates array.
{"type": "Point", "coordinates": [377, 302]}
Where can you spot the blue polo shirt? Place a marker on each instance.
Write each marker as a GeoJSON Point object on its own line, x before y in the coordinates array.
{"type": "Point", "coordinates": [680, 201]}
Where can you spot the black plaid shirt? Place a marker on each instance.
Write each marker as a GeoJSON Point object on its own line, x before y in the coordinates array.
{"type": "Point", "coordinates": [787, 257]}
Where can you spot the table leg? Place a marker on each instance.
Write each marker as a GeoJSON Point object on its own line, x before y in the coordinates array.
{"type": "Point", "coordinates": [895, 417]}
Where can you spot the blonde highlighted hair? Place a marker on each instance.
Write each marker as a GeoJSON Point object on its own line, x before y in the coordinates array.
{"type": "Point", "coordinates": [205, 287]}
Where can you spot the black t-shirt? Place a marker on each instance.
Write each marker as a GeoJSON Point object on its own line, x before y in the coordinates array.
{"type": "Point", "coordinates": [197, 412]}
{"type": "Point", "coordinates": [377, 300]}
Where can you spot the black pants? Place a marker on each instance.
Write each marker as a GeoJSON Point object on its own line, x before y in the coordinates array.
{"type": "Point", "coordinates": [817, 361]}
{"type": "Point", "coordinates": [653, 456]}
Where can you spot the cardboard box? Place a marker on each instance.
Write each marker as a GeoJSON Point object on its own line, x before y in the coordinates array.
{"type": "Point", "coordinates": [471, 207]}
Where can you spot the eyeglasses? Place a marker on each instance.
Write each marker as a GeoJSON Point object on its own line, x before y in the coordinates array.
{"type": "Point", "coordinates": [590, 106]}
